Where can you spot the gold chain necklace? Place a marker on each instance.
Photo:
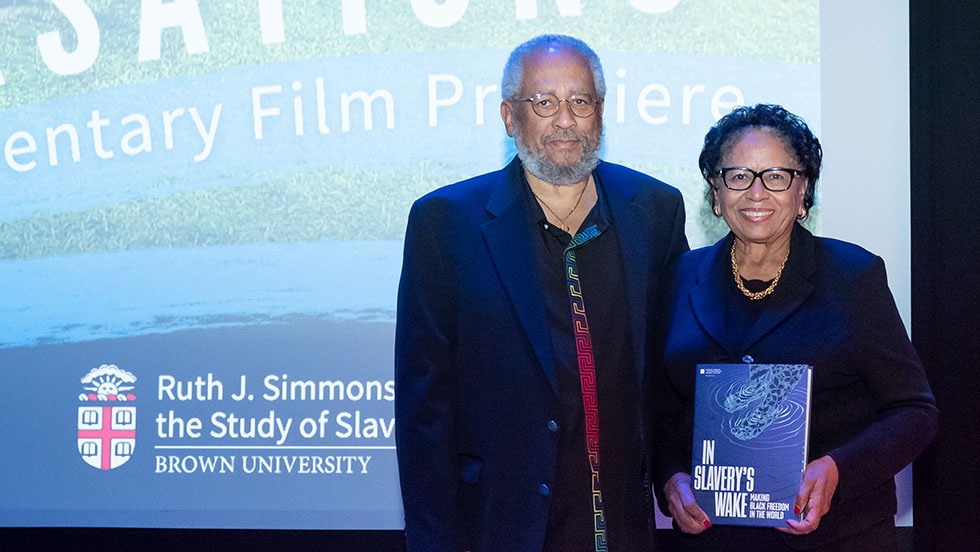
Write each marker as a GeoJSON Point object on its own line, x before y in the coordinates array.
{"type": "Point", "coordinates": [755, 296]}
{"type": "Point", "coordinates": [561, 220]}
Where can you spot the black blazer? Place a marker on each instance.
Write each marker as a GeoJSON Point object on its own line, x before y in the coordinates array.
{"type": "Point", "coordinates": [474, 370]}
{"type": "Point", "coordinates": [872, 409]}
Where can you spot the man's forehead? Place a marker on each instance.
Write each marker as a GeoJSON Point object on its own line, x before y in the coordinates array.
{"type": "Point", "coordinates": [540, 67]}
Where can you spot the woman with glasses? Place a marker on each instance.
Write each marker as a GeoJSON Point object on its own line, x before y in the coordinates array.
{"type": "Point", "coordinates": [770, 292]}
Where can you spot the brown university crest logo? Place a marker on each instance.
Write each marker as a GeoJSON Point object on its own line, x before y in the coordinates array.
{"type": "Point", "coordinates": [107, 417]}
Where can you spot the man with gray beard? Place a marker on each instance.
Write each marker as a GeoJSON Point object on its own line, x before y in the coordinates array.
{"type": "Point", "coordinates": [524, 315]}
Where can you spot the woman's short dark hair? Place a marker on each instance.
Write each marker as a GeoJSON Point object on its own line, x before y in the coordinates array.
{"type": "Point", "coordinates": [793, 129]}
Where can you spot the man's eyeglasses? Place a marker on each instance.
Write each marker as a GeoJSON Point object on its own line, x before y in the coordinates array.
{"type": "Point", "coordinates": [775, 179]}
{"type": "Point", "coordinates": [546, 105]}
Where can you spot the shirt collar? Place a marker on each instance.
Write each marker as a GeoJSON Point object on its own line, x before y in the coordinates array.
{"type": "Point", "coordinates": [599, 215]}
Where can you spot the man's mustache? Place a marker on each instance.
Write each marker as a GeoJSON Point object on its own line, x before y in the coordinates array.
{"type": "Point", "coordinates": [565, 136]}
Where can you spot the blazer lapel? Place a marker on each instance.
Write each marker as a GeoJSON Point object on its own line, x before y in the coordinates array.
{"type": "Point", "coordinates": [631, 222]}
{"type": "Point", "coordinates": [708, 294]}
{"type": "Point", "coordinates": [793, 288]}
{"type": "Point", "coordinates": [509, 240]}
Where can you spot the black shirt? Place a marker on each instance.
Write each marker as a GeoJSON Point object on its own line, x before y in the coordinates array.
{"type": "Point", "coordinates": [600, 269]}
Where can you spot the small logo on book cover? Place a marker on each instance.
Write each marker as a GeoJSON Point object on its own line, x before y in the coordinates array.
{"type": "Point", "coordinates": [107, 417]}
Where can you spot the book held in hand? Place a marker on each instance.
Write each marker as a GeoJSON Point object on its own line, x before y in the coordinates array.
{"type": "Point", "coordinates": [751, 427]}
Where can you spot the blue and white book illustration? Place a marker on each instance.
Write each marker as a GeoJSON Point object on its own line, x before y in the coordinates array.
{"type": "Point", "coordinates": [751, 428]}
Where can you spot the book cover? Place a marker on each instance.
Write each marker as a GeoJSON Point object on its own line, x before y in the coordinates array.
{"type": "Point", "coordinates": [751, 428]}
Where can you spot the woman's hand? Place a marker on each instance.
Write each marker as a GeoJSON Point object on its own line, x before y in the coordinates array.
{"type": "Point", "coordinates": [819, 483]}
{"type": "Point", "coordinates": [688, 516]}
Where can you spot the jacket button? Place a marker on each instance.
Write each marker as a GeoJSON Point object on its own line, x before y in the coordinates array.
{"type": "Point", "coordinates": [748, 359]}
{"type": "Point", "coordinates": [544, 490]}
{"type": "Point", "coordinates": [553, 425]}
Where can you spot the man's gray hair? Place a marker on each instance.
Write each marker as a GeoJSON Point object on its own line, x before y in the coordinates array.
{"type": "Point", "coordinates": [510, 85]}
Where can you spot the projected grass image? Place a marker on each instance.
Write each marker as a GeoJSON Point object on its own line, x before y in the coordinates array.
{"type": "Point", "coordinates": [311, 207]}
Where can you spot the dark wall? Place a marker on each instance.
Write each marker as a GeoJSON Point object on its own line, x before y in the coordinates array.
{"type": "Point", "coordinates": [945, 148]}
